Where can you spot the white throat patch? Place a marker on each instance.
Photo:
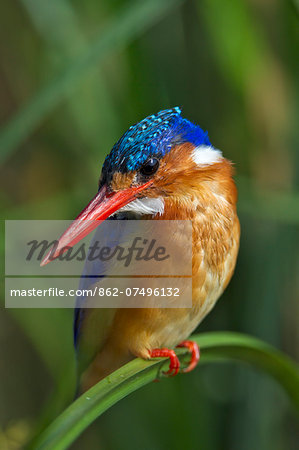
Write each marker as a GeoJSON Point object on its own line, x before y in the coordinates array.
{"type": "Point", "coordinates": [145, 205]}
{"type": "Point", "coordinates": [204, 155]}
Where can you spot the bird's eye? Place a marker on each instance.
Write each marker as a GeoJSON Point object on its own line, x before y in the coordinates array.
{"type": "Point", "coordinates": [149, 167]}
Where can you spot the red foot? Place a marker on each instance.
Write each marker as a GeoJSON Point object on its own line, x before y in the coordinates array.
{"type": "Point", "coordinates": [174, 365]}
{"type": "Point", "coordinates": [195, 354]}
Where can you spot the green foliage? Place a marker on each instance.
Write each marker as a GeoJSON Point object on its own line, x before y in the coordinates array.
{"type": "Point", "coordinates": [214, 347]}
{"type": "Point", "coordinates": [74, 76]}
{"type": "Point", "coordinates": [125, 27]}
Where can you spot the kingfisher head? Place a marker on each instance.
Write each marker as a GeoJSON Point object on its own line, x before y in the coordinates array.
{"type": "Point", "coordinates": [161, 166]}
{"type": "Point", "coordinates": [140, 151]}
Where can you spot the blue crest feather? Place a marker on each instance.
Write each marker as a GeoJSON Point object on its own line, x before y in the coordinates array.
{"type": "Point", "coordinates": [153, 136]}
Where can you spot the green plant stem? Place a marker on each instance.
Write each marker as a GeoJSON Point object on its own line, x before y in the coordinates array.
{"type": "Point", "coordinates": [214, 347]}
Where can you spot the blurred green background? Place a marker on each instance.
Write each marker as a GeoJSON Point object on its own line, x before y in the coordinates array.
{"type": "Point", "coordinates": [74, 75]}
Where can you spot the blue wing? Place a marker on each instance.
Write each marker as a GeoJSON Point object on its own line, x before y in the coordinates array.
{"type": "Point", "coordinates": [91, 325]}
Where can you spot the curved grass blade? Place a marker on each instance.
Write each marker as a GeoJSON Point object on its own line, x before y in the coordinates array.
{"type": "Point", "coordinates": [214, 347]}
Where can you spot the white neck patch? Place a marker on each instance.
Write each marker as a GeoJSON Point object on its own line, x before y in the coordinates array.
{"type": "Point", "coordinates": [145, 205]}
{"type": "Point", "coordinates": [204, 155]}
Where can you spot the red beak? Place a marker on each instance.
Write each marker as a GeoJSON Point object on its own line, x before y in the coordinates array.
{"type": "Point", "coordinates": [101, 206]}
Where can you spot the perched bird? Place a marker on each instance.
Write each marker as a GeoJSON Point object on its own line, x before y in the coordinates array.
{"type": "Point", "coordinates": [162, 168]}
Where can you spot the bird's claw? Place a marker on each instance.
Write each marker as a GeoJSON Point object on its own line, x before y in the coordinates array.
{"type": "Point", "coordinates": [195, 354]}
{"type": "Point", "coordinates": [174, 365]}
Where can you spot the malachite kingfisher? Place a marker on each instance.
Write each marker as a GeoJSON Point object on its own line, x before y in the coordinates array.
{"type": "Point", "coordinates": [162, 168]}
